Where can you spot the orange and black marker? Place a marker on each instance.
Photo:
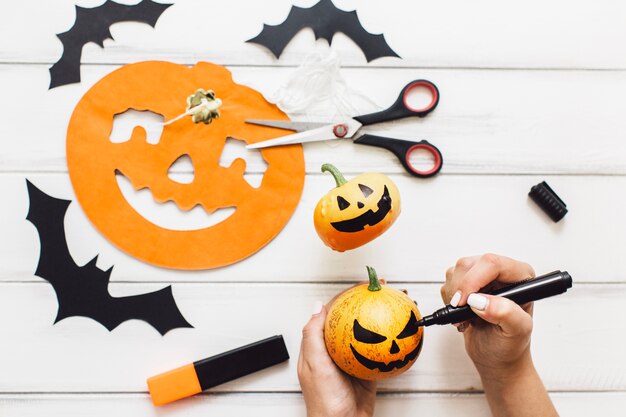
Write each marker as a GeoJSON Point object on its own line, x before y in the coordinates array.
{"type": "Point", "coordinates": [206, 373]}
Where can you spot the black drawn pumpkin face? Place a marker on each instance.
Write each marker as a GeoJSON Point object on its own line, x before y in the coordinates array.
{"type": "Point", "coordinates": [398, 350]}
{"type": "Point", "coordinates": [357, 211]}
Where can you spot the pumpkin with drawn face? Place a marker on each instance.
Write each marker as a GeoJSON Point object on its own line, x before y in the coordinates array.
{"type": "Point", "coordinates": [371, 331]}
{"type": "Point", "coordinates": [356, 211]}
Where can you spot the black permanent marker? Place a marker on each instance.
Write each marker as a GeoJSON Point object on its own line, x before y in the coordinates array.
{"type": "Point", "coordinates": [534, 289]}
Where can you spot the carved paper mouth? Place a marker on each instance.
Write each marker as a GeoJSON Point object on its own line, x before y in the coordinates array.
{"type": "Point", "coordinates": [387, 367]}
{"type": "Point", "coordinates": [369, 218]}
{"type": "Point", "coordinates": [168, 215]}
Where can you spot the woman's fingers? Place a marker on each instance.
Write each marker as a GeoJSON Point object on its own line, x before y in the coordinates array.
{"type": "Point", "coordinates": [313, 332]}
{"type": "Point", "coordinates": [509, 316]}
{"type": "Point", "coordinates": [312, 347]}
{"type": "Point", "coordinates": [475, 273]}
{"type": "Point", "coordinates": [454, 275]}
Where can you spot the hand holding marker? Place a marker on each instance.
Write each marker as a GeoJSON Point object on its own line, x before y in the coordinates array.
{"type": "Point", "coordinates": [534, 289]}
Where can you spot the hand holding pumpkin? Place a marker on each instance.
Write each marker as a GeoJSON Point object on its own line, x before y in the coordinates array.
{"type": "Point", "coordinates": [327, 390]}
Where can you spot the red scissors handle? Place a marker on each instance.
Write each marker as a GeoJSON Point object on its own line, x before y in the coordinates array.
{"type": "Point", "coordinates": [402, 108]}
{"type": "Point", "coordinates": [403, 150]}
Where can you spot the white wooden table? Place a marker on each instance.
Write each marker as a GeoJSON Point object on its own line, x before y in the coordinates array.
{"type": "Point", "coordinates": [530, 91]}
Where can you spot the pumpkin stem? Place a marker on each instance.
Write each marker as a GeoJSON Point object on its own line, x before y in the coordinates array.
{"type": "Point", "coordinates": [339, 178]}
{"type": "Point", "coordinates": [374, 284]}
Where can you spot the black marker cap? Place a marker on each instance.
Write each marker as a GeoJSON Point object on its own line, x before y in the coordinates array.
{"type": "Point", "coordinates": [550, 203]}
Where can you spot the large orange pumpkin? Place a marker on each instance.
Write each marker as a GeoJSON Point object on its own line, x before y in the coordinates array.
{"type": "Point", "coordinates": [371, 331]}
{"type": "Point", "coordinates": [163, 87]}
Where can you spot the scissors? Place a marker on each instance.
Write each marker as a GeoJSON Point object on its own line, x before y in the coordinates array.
{"type": "Point", "coordinates": [402, 149]}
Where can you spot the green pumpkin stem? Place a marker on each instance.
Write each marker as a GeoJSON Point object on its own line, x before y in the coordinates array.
{"type": "Point", "coordinates": [339, 178]}
{"type": "Point", "coordinates": [374, 283]}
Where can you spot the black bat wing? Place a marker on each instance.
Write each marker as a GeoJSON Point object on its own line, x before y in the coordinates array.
{"type": "Point", "coordinates": [83, 290]}
{"type": "Point", "coordinates": [373, 46]}
{"type": "Point", "coordinates": [276, 37]}
{"type": "Point", "coordinates": [326, 20]}
{"type": "Point", "coordinates": [93, 25]}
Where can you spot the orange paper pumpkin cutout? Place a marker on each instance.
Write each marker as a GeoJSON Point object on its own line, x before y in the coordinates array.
{"type": "Point", "coordinates": [162, 87]}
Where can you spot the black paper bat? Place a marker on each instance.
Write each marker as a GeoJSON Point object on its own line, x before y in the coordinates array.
{"type": "Point", "coordinates": [83, 290]}
{"type": "Point", "coordinates": [92, 25]}
{"type": "Point", "coordinates": [325, 19]}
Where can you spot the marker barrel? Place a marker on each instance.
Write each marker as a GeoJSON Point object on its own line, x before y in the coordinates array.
{"type": "Point", "coordinates": [206, 373]}
{"type": "Point", "coordinates": [534, 289]}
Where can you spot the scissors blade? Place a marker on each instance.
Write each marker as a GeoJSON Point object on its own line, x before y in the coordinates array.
{"type": "Point", "coordinates": [326, 132]}
{"type": "Point", "coordinates": [287, 125]}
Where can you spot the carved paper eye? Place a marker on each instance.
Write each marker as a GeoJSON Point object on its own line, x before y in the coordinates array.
{"type": "Point", "coordinates": [365, 190]}
{"type": "Point", "coordinates": [366, 336]}
{"type": "Point", "coordinates": [411, 327]}
{"type": "Point", "coordinates": [342, 202]}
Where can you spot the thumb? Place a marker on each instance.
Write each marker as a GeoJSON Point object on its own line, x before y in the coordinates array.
{"type": "Point", "coordinates": [502, 312]}
{"type": "Point", "coordinates": [313, 332]}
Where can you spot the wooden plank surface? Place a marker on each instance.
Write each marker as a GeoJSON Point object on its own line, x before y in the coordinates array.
{"type": "Point", "coordinates": [443, 219]}
{"type": "Point", "coordinates": [287, 405]}
{"type": "Point", "coordinates": [487, 122]}
{"type": "Point", "coordinates": [454, 33]}
{"type": "Point", "coordinates": [529, 92]}
{"type": "Point", "coordinates": [573, 341]}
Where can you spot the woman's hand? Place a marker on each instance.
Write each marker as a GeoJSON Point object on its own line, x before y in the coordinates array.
{"type": "Point", "coordinates": [501, 340]}
{"type": "Point", "coordinates": [499, 344]}
{"type": "Point", "coordinates": [328, 391]}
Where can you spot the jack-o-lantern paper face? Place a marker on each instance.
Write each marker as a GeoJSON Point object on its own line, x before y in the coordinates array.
{"type": "Point", "coordinates": [371, 331]}
{"type": "Point", "coordinates": [356, 211]}
{"type": "Point", "coordinates": [162, 88]}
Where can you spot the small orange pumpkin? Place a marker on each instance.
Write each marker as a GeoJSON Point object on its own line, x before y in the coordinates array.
{"type": "Point", "coordinates": [371, 331]}
{"type": "Point", "coordinates": [356, 211]}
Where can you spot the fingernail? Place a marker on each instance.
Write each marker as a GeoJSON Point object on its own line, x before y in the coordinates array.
{"type": "Point", "coordinates": [479, 302]}
{"type": "Point", "coordinates": [317, 307]}
{"type": "Point", "coordinates": [455, 299]}
{"type": "Point", "coordinates": [456, 324]}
